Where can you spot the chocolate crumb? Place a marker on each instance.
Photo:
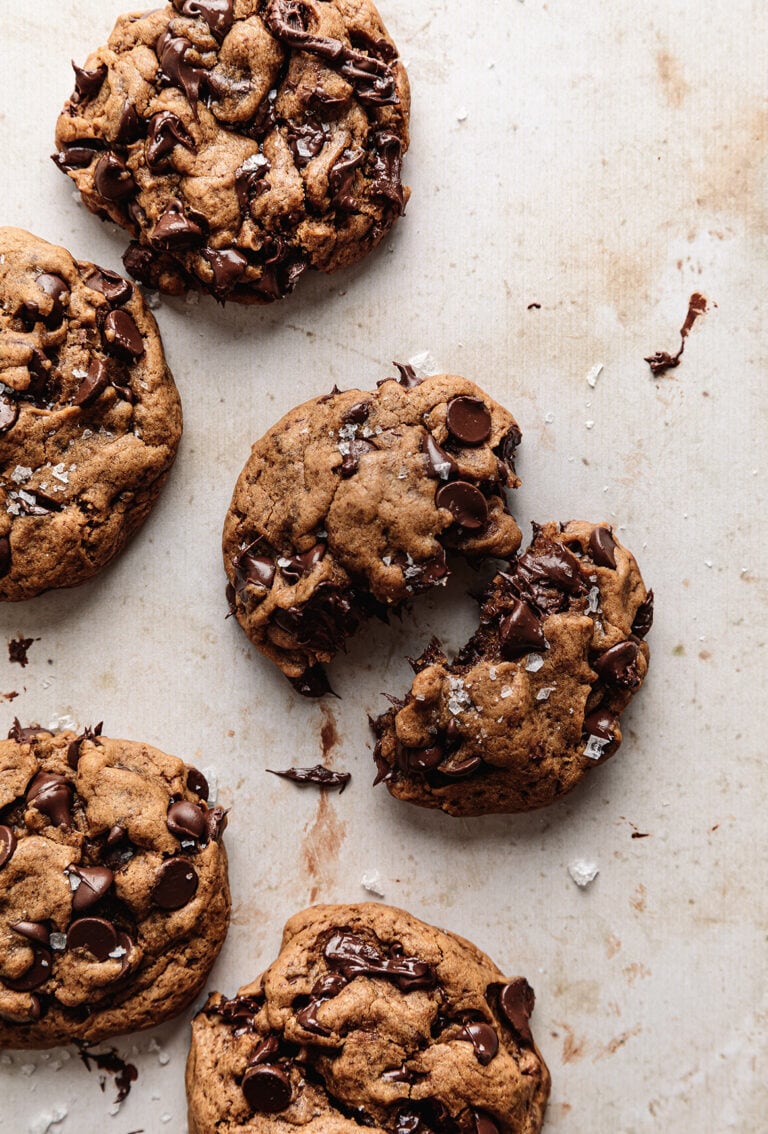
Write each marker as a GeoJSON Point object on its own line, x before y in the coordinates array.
{"type": "Point", "coordinates": [125, 1073]}
{"type": "Point", "coordinates": [320, 776]}
{"type": "Point", "coordinates": [17, 649]}
{"type": "Point", "coordinates": [662, 361]}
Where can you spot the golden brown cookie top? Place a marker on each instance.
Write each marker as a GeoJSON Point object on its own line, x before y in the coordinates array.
{"type": "Point", "coordinates": [90, 418]}
{"type": "Point", "coordinates": [241, 141]}
{"type": "Point", "coordinates": [113, 889]}
{"type": "Point", "coordinates": [532, 702]}
{"type": "Point", "coordinates": [347, 506]}
{"type": "Point", "coordinates": [369, 1017]}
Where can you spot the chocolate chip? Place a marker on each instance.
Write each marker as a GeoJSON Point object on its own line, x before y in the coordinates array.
{"type": "Point", "coordinates": [462, 769]}
{"type": "Point", "coordinates": [357, 414]}
{"type": "Point", "coordinates": [36, 931]}
{"type": "Point", "coordinates": [602, 548]}
{"type": "Point", "coordinates": [466, 504]}
{"type": "Point", "coordinates": [267, 1051]}
{"type": "Point", "coordinates": [93, 934]}
{"type": "Point", "coordinates": [113, 287]}
{"type": "Point", "coordinates": [175, 885]}
{"type": "Point", "coordinates": [520, 631]}
{"type": "Point", "coordinates": [122, 336]}
{"type": "Point", "coordinates": [26, 735]}
{"type": "Point", "coordinates": [420, 759]}
{"type": "Point", "coordinates": [56, 290]}
{"type": "Point", "coordinates": [313, 682]}
{"type": "Point", "coordinates": [644, 617]}
{"type": "Point", "coordinates": [115, 835]}
{"type": "Point", "coordinates": [197, 783]}
{"type": "Point", "coordinates": [140, 262]}
{"type": "Point", "coordinates": [618, 666]}
{"type": "Point", "coordinates": [468, 420]}
{"type": "Point", "coordinates": [306, 140]}
{"type": "Point", "coordinates": [483, 1123]}
{"type": "Point", "coordinates": [130, 127]}
{"type": "Point", "coordinates": [171, 52]}
{"type": "Point", "coordinates": [249, 180]}
{"type": "Point", "coordinates": [186, 820]}
{"type": "Point", "coordinates": [94, 883]}
{"type": "Point", "coordinates": [9, 412]}
{"type": "Point", "coordinates": [166, 131]}
{"type": "Point", "coordinates": [441, 465]}
{"type": "Point", "coordinates": [253, 570]}
{"type": "Point", "coordinates": [77, 155]}
{"type": "Point", "coordinates": [228, 266]}
{"type": "Point", "coordinates": [5, 556]}
{"type": "Point", "coordinates": [91, 733]}
{"type": "Point", "coordinates": [484, 1040]}
{"type": "Point", "coordinates": [550, 573]}
{"type": "Point", "coordinates": [93, 385]}
{"type": "Point", "coordinates": [320, 776]}
{"type": "Point", "coordinates": [7, 845]}
{"type": "Point", "coordinates": [41, 967]}
{"type": "Point", "coordinates": [358, 447]}
{"type": "Point", "coordinates": [386, 166]}
{"type": "Point", "coordinates": [509, 444]}
{"type": "Point", "coordinates": [516, 1003]}
{"type": "Point", "coordinates": [352, 956]}
{"type": "Point", "coordinates": [407, 379]}
{"type": "Point", "coordinates": [87, 83]}
{"type": "Point", "coordinates": [267, 1089]}
{"type": "Point", "coordinates": [603, 725]}
{"type": "Point", "coordinates": [113, 179]}
{"type": "Point", "coordinates": [51, 794]}
{"type": "Point", "coordinates": [174, 230]}
{"type": "Point", "coordinates": [218, 14]}
{"type": "Point", "coordinates": [299, 565]}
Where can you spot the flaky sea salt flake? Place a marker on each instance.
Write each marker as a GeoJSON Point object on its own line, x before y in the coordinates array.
{"type": "Point", "coordinates": [582, 872]}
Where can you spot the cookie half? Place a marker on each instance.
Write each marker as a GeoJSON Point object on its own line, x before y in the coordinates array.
{"type": "Point", "coordinates": [532, 702]}
{"type": "Point", "coordinates": [90, 418]}
{"type": "Point", "coordinates": [347, 506]}
{"type": "Point", "coordinates": [114, 900]}
{"type": "Point", "coordinates": [369, 1018]}
{"type": "Point", "coordinates": [241, 142]}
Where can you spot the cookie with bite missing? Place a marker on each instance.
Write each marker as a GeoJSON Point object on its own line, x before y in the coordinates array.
{"type": "Point", "coordinates": [533, 702]}
{"type": "Point", "coordinates": [347, 507]}
{"type": "Point", "coordinates": [241, 142]}
{"type": "Point", "coordinates": [372, 1019]}
{"type": "Point", "coordinates": [114, 901]}
{"type": "Point", "coordinates": [90, 418]}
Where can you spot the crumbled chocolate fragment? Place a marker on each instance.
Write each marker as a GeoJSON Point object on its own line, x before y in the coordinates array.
{"type": "Point", "coordinates": [17, 650]}
{"type": "Point", "coordinates": [516, 1004]}
{"type": "Point", "coordinates": [618, 666]}
{"type": "Point", "coordinates": [320, 776]}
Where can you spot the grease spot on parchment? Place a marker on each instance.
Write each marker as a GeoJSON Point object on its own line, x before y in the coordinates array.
{"type": "Point", "coordinates": [671, 77]}
{"type": "Point", "coordinates": [320, 847]}
{"type": "Point", "coordinates": [329, 734]}
{"type": "Point", "coordinates": [616, 1043]}
{"type": "Point", "coordinates": [637, 901]}
{"type": "Point", "coordinates": [574, 1048]}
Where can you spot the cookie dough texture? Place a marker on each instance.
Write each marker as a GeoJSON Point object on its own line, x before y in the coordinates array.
{"type": "Point", "coordinates": [347, 506]}
{"type": "Point", "coordinates": [369, 1019]}
{"type": "Point", "coordinates": [532, 702]}
{"type": "Point", "coordinates": [241, 142]}
{"type": "Point", "coordinates": [90, 418]}
{"type": "Point", "coordinates": [114, 899]}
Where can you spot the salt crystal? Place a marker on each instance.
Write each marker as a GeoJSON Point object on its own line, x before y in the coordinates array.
{"type": "Point", "coordinates": [594, 374]}
{"type": "Point", "coordinates": [424, 364]}
{"type": "Point", "coordinates": [534, 663]}
{"type": "Point", "coordinates": [78, 372]}
{"type": "Point", "coordinates": [20, 474]}
{"type": "Point", "coordinates": [461, 114]}
{"type": "Point", "coordinates": [549, 418]}
{"type": "Point", "coordinates": [212, 779]}
{"type": "Point", "coordinates": [74, 882]}
{"type": "Point", "coordinates": [371, 881]}
{"type": "Point", "coordinates": [152, 299]}
{"type": "Point", "coordinates": [506, 691]}
{"type": "Point", "coordinates": [117, 953]}
{"type": "Point", "coordinates": [28, 1069]}
{"type": "Point", "coordinates": [582, 872]}
{"type": "Point", "coordinates": [62, 723]}
{"type": "Point", "coordinates": [58, 942]}
{"type": "Point", "coordinates": [594, 747]}
{"type": "Point", "coordinates": [594, 600]}
{"type": "Point", "coordinates": [44, 1123]}
{"type": "Point", "coordinates": [545, 693]}
{"type": "Point", "coordinates": [387, 560]}
{"type": "Point", "coordinates": [590, 424]}
{"type": "Point", "coordinates": [492, 672]}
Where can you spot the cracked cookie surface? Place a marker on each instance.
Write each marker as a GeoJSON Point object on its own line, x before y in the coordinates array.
{"type": "Point", "coordinates": [347, 506]}
{"type": "Point", "coordinates": [114, 901]}
{"type": "Point", "coordinates": [90, 418]}
{"type": "Point", "coordinates": [241, 142]}
{"type": "Point", "coordinates": [369, 1018]}
{"type": "Point", "coordinates": [532, 702]}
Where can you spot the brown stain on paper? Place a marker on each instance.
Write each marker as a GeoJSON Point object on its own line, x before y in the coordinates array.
{"type": "Point", "coordinates": [323, 839]}
{"type": "Point", "coordinates": [574, 1048]}
{"type": "Point", "coordinates": [671, 77]}
{"type": "Point", "coordinates": [329, 733]}
{"type": "Point", "coordinates": [637, 901]}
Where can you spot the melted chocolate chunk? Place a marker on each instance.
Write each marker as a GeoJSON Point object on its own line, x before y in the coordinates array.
{"type": "Point", "coordinates": [441, 464]}
{"type": "Point", "coordinates": [644, 617]}
{"type": "Point", "coordinates": [253, 570]}
{"type": "Point", "coordinates": [51, 794]}
{"type": "Point", "coordinates": [602, 724]}
{"type": "Point", "coordinates": [175, 885]}
{"type": "Point", "coordinates": [125, 1073]}
{"type": "Point", "coordinates": [352, 957]}
{"type": "Point", "coordinates": [171, 52]}
{"type": "Point", "coordinates": [26, 735]}
{"type": "Point", "coordinates": [468, 420]}
{"type": "Point", "coordinates": [411, 760]}
{"type": "Point", "coordinates": [267, 1089]}
{"type": "Point", "coordinates": [77, 155]}
{"type": "Point", "coordinates": [322, 623]}
{"type": "Point", "coordinates": [130, 127]}
{"type": "Point", "coordinates": [122, 336]}
{"type": "Point", "coordinates": [113, 179]}
{"type": "Point", "coordinates": [113, 287]}
{"type": "Point", "coordinates": [509, 444]}
{"type": "Point", "coordinates": [299, 565]}
{"type": "Point", "coordinates": [36, 931]}
{"type": "Point", "coordinates": [342, 177]}
{"type": "Point", "coordinates": [186, 820]}
{"type": "Point", "coordinates": [174, 230]}
{"type": "Point", "coordinates": [618, 666]}
{"type": "Point", "coordinates": [95, 881]}
{"type": "Point", "coordinates": [140, 262]}
{"type": "Point", "coordinates": [483, 1123]}
{"type": "Point", "coordinates": [228, 267]}
{"type": "Point", "coordinates": [166, 130]}
{"type": "Point", "coordinates": [386, 167]}
{"type": "Point", "coordinates": [408, 379]}
{"type": "Point", "coordinates": [215, 823]}
{"type": "Point", "coordinates": [463, 769]}
{"type": "Point", "coordinates": [306, 141]}
{"type": "Point", "coordinates": [7, 845]}
{"type": "Point", "coordinates": [358, 447]}
{"type": "Point", "coordinates": [5, 556]}
{"type": "Point", "coordinates": [87, 83]}
{"type": "Point", "coordinates": [550, 574]}
{"type": "Point", "coordinates": [57, 291]}
{"type": "Point", "coordinates": [41, 968]}
{"type": "Point", "coordinates": [516, 1004]}
{"type": "Point", "coordinates": [94, 935]}
{"type": "Point", "coordinates": [9, 412]}
{"type": "Point", "coordinates": [93, 385]}
{"type": "Point", "coordinates": [89, 733]}
{"type": "Point", "coordinates": [320, 776]}
{"type": "Point", "coordinates": [484, 1040]}
{"type": "Point", "coordinates": [465, 502]}
{"type": "Point", "coordinates": [313, 682]}
{"type": "Point", "coordinates": [218, 14]}
{"type": "Point", "coordinates": [520, 631]}
{"type": "Point", "coordinates": [250, 180]}
{"type": "Point", "coordinates": [197, 783]}
{"type": "Point", "coordinates": [602, 548]}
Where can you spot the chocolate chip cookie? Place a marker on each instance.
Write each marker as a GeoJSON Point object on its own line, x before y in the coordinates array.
{"type": "Point", "coordinates": [369, 1018]}
{"type": "Point", "coordinates": [532, 702]}
{"type": "Point", "coordinates": [90, 418]}
{"type": "Point", "coordinates": [241, 142]}
{"type": "Point", "coordinates": [347, 506]}
{"type": "Point", "coordinates": [114, 900]}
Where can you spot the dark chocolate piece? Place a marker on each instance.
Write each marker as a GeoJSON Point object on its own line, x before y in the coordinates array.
{"type": "Point", "coordinates": [93, 385]}
{"type": "Point", "coordinates": [89, 733]}
{"type": "Point", "coordinates": [175, 885]}
{"type": "Point", "coordinates": [520, 631]}
{"type": "Point", "coordinates": [166, 130]}
{"type": "Point", "coordinates": [516, 1003]}
{"type": "Point", "coordinates": [17, 650]}
{"type": "Point", "coordinates": [465, 502]}
{"type": "Point", "coordinates": [468, 420]}
{"type": "Point", "coordinates": [228, 267]}
{"type": "Point", "coordinates": [320, 776]}
{"type": "Point", "coordinates": [484, 1040]}
{"type": "Point", "coordinates": [87, 83]}
{"type": "Point", "coordinates": [441, 464]}
{"type": "Point", "coordinates": [7, 845]}
{"type": "Point", "coordinates": [51, 794]}
{"type": "Point", "coordinates": [602, 548]}
{"type": "Point", "coordinates": [113, 179]}
{"type": "Point", "coordinates": [644, 617]}
{"type": "Point", "coordinates": [174, 230]}
{"type": "Point", "coordinates": [267, 1089]}
{"type": "Point", "coordinates": [95, 881]}
{"type": "Point", "coordinates": [218, 14]}
{"type": "Point", "coordinates": [197, 783]}
{"type": "Point", "coordinates": [113, 287]}
{"type": "Point", "coordinates": [618, 666]}
{"type": "Point", "coordinates": [186, 820]}
{"type": "Point", "coordinates": [122, 336]}
{"type": "Point", "coordinates": [95, 935]}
